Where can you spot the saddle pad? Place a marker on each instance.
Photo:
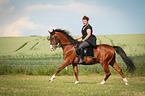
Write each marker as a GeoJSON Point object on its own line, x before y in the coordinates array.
{"type": "Point", "coordinates": [87, 52]}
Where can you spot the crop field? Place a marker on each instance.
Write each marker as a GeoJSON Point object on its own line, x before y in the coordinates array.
{"type": "Point", "coordinates": [26, 64]}
{"type": "Point", "coordinates": [38, 47]}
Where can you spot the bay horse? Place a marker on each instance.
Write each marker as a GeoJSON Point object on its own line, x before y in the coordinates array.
{"type": "Point", "coordinates": [104, 54]}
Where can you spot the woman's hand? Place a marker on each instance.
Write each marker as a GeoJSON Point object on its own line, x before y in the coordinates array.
{"type": "Point", "coordinates": [79, 37]}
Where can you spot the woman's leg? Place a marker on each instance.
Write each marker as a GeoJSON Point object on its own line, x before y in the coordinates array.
{"type": "Point", "coordinates": [81, 50]}
{"type": "Point", "coordinates": [84, 45]}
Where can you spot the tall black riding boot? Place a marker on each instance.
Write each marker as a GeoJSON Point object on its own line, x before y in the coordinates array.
{"type": "Point", "coordinates": [81, 56]}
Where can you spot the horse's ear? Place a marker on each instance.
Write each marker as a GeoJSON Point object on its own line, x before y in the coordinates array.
{"type": "Point", "coordinates": [53, 32]}
{"type": "Point", "coordinates": [49, 31]}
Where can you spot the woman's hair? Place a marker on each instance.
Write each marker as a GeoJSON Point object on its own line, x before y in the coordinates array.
{"type": "Point", "coordinates": [86, 18]}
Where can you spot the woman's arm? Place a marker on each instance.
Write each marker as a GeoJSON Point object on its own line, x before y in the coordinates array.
{"type": "Point", "coordinates": [89, 34]}
{"type": "Point", "coordinates": [79, 37]}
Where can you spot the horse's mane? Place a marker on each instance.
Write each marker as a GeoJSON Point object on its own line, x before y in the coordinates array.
{"type": "Point", "coordinates": [67, 34]}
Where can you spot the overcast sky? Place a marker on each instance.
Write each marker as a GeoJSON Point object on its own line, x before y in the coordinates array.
{"type": "Point", "coordinates": [35, 17]}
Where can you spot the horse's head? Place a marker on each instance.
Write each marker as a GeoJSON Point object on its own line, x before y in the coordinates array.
{"type": "Point", "coordinates": [54, 41]}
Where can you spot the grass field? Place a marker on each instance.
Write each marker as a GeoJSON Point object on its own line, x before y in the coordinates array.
{"type": "Point", "coordinates": [31, 55]}
{"type": "Point", "coordinates": [26, 64]}
{"type": "Point", "coordinates": [24, 85]}
{"type": "Point", "coordinates": [38, 47]}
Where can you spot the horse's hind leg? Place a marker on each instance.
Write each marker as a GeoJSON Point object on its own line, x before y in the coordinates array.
{"type": "Point", "coordinates": [107, 72]}
{"type": "Point", "coordinates": [118, 69]}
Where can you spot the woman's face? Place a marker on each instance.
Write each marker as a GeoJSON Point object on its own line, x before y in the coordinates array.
{"type": "Point", "coordinates": [85, 22]}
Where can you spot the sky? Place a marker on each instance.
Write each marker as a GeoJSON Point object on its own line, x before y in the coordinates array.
{"type": "Point", "coordinates": [20, 18]}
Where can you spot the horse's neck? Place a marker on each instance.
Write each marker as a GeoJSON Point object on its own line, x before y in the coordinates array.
{"type": "Point", "coordinates": [66, 48]}
{"type": "Point", "coordinates": [63, 39]}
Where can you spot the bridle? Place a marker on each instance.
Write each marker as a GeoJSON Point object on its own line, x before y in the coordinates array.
{"type": "Point", "coordinates": [56, 38]}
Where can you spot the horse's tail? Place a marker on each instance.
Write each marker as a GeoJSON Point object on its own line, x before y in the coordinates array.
{"type": "Point", "coordinates": [127, 60]}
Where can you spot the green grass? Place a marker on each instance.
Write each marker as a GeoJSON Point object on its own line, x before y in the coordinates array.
{"type": "Point", "coordinates": [26, 47]}
{"type": "Point", "coordinates": [22, 85]}
{"type": "Point", "coordinates": [38, 47]}
{"type": "Point", "coordinates": [48, 66]}
{"type": "Point", "coordinates": [22, 57]}
{"type": "Point", "coordinates": [32, 56]}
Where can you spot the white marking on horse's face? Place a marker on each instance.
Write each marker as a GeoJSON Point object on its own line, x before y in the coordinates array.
{"type": "Point", "coordinates": [52, 48]}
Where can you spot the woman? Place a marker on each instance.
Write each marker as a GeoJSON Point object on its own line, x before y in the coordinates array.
{"type": "Point", "coordinates": [87, 37]}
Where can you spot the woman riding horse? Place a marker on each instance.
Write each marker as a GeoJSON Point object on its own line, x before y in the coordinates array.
{"type": "Point", "coordinates": [103, 54]}
{"type": "Point", "coordinates": [87, 37]}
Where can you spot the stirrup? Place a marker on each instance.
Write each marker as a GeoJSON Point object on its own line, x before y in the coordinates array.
{"type": "Point", "coordinates": [83, 62]}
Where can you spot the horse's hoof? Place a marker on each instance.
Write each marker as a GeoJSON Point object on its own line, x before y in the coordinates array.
{"type": "Point", "coordinates": [50, 81]}
{"type": "Point", "coordinates": [103, 82]}
{"type": "Point", "coordinates": [126, 83]}
{"type": "Point", "coordinates": [76, 82]}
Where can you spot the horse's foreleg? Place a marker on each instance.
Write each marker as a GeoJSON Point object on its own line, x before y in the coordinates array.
{"type": "Point", "coordinates": [76, 73]}
{"type": "Point", "coordinates": [59, 69]}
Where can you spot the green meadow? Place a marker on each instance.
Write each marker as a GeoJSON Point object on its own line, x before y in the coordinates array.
{"type": "Point", "coordinates": [32, 56]}
{"type": "Point", "coordinates": [38, 47]}
{"type": "Point", "coordinates": [27, 64]}
{"type": "Point", "coordinates": [26, 85]}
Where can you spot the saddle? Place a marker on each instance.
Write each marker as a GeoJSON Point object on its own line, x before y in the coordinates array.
{"type": "Point", "coordinates": [88, 52]}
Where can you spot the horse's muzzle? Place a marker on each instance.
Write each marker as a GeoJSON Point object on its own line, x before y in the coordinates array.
{"type": "Point", "coordinates": [52, 48]}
